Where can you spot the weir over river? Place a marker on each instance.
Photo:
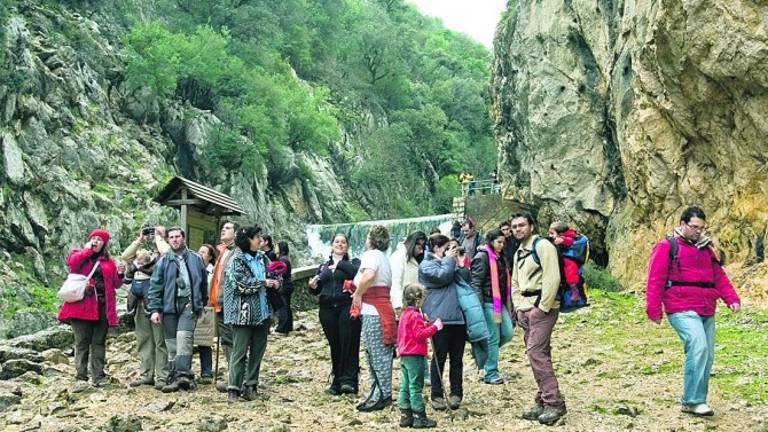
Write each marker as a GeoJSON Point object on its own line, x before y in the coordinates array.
{"type": "Point", "coordinates": [319, 236]}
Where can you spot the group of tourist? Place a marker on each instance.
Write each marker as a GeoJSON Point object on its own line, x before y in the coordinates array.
{"type": "Point", "coordinates": [450, 291]}
{"type": "Point", "coordinates": [181, 300]}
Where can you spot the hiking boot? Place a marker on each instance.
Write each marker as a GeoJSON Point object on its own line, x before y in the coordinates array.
{"type": "Point", "coordinates": [348, 389]}
{"type": "Point", "coordinates": [206, 378]}
{"type": "Point", "coordinates": [333, 391]}
{"type": "Point", "coordinates": [185, 383]}
{"type": "Point", "coordinates": [101, 382]}
{"type": "Point", "coordinates": [221, 387]}
{"type": "Point", "coordinates": [170, 388]}
{"type": "Point", "coordinates": [533, 412]}
{"type": "Point", "coordinates": [551, 414]}
{"type": "Point", "coordinates": [406, 417]}
{"type": "Point", "coordinates": [233, 396]}
{"type": "Point", "coordinates": [454, 402]}
{"type": "Point", "coordinates": [250, 393]}
{"type": "Point", "coordinates": [280, 334]}
{"type": "Point", "coordinates": [421, 421]}
{"type": "Point", "coordinates": [142, 381]}
{"type": "Point", "coordinates": [438, 404]}
{"type": "Point", "coordinates": [494, 381]}
{"type": "Point", "coordinates": [702, 410]}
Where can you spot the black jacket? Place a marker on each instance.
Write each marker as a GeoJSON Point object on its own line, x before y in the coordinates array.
{"type": "Point", "coordinates": [481, 276]}
{"type": "Point", "coordinates": [330, 284]}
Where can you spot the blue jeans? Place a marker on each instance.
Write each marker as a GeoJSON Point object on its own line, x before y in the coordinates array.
{"type": "Point", "coordinates": [698, 336]}
{"type": "Point", "coordinates": [498, 335]}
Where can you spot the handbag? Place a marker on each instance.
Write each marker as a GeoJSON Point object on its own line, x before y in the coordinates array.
{"type": "Point", "coordinates": [73, 288]}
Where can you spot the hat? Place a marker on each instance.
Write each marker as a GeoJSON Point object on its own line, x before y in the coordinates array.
{"type": "Point", "coordinates": [99, 232]}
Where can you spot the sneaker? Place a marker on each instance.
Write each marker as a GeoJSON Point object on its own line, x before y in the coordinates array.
{"type": "Point", "coordinates": [280, 334]}
{"type": "Point", "coordinates": [454, 402]}
{"type": "Point", "coordinates": [494, 381]}
{"type": "Point", "coordinates": [142, 381]}
{"type": "Point", "coordinates": [438, 404]}
{"type": "Point", "coordinates": [701, 409]}
{"type": "Point", "coordinates": [551, 414]}
{"type": "Point", "coordinates": [171, 388]}
{"type": "Point", "coordinates": [534, 412]}
{"type": "Point", "coordinates": [101, 382]}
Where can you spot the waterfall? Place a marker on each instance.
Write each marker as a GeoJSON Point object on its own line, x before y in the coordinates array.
{"type": "Point", "coordinates": [319, 236]}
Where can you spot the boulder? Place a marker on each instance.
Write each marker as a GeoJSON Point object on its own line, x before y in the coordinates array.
{"type": "Point", "coordinates": [13, 162]}
{"type": "Point", "coordinates": [15, 353]}
{"type": "Point", "coordinates": [60, 337]}
{"type": "Point", "coordinates": [17, 367]}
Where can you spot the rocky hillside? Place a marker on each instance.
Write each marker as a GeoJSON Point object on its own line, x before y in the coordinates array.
{"type": "Point", "coordinates": [618, 114]}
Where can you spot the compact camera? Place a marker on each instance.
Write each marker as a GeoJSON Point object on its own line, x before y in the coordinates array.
{"type": "Point", "coordinates": [148, 231]}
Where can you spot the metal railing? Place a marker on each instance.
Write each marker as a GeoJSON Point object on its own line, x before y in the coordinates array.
{"type": "Point", "coordinates": [480, 187]}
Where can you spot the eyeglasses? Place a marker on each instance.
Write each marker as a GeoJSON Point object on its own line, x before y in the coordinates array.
{"type": "Point", "coordinates": [695, 227]}
{"type": "Point", "coordinates": [518, 225]}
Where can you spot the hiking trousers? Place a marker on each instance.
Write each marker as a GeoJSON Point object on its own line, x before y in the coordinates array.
{"type": "Point", "coordinates": [91, 344]}
{"type": "Point", "coordinates": [343, 335]}
{"type": "Point", "coordinates": [537, 327]}
{"type": "Point", "coordinates": [411, 382]}
{"type": "Point", "coordinates": [150, 342]}
{"type": "Point", "coordinates": [285, 314]}
{"type": "Point", "coordinates": [249, 345]}
{"type": "Point", "coordinates": [224, 332]}
{"type": "Point", "coordinates": [498, 335]}
{"type": "Point", "coordinates": [179, 338]}
{"type": "Point", "coordinates": [448, 342]}
{"type": "Point", "coordinates": [698, 336]}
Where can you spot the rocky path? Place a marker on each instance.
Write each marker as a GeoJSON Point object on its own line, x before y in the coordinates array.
{"type": "Point", "coordinates": [617, 371]}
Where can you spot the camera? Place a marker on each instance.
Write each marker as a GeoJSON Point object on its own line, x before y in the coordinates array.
{"type": "Point", "coordinates": [461, 250]}
{"type": "Point", "coordinates": [148, 231]}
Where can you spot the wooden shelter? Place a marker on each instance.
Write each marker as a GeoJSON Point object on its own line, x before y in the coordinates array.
{"type": "Point", "coordinates": [200, 209]}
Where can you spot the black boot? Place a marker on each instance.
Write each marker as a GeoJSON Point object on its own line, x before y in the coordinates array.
{"type": "Point", "coordinates": [406, 417]}
{"type": "Point", "coordinates": [420, 421]}
{"type": "Point", "coordinates": [250, 393]}
{"type": "Point", "coordinates": [232, 396]}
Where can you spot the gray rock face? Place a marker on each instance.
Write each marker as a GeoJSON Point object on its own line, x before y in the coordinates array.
{"type": "Point", "coordinates": [60, 337]}
{"type": "Point", "coordinates": [617, 115]}
{"type": "Point", "coordinates": [13, 162]}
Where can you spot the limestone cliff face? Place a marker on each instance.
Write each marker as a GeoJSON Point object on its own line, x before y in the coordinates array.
{"type": "Point", "coordinates": [618, 114]}
{"type": "Point", "coordinates": [78, 151]}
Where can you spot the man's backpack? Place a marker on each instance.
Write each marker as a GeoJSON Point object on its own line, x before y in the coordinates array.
{"type": "Point", "coordinates": [570, 298]}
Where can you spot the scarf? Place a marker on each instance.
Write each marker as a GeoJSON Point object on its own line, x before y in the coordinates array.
{"type": "Point", "coordinates": [495, 289]}
{"type": "Point", "coordinates": [703, 242]}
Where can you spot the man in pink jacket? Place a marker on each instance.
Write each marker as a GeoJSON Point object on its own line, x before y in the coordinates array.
{"type": "Point", "coordinates": [684, 274]}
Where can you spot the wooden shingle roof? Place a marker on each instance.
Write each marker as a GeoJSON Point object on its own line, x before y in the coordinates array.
{"type": "Point", "coordinates": [203, 198]}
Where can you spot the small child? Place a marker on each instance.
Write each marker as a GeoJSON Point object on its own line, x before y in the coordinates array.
{"type": "Point", "coordinates": [412, 335]}
{"type": "Point", "coordinates": [564, 236]}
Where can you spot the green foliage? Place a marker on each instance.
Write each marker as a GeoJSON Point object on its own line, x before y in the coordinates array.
{"type": "Point", "coordinates": [414, 93]}
{"type": "Point", "coordinates": [600, 278]}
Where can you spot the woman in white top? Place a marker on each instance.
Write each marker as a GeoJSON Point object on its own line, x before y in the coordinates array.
{"type": "Point", "coordinates": [371, 300]}
{"type": "Point", "coordinates": [405, 266]}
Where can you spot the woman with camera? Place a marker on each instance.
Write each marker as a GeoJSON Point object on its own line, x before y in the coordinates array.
{"type": "Point", "coordinates": [405, 266]}
{"type": "Point", "coordinates": [97, 311]}
{"type": "Point", "coordinates": [437, 273]}
{"type": "Point", "coordinates": [341, 331]}
{"type": "Point", "coordinates": [150, 341]}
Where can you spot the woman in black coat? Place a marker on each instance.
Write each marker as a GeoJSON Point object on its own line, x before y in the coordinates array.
{"type": "Point", "coordinates": [342, 332]}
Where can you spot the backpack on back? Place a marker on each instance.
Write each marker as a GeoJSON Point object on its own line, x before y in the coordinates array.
{"type": "Point", "coordinates": [570, 297]}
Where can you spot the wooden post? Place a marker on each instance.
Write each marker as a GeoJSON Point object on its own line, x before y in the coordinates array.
{"type": "Point", "coordinates": [183, 222]}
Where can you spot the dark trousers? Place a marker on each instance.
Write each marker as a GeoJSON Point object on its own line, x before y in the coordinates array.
{"type": "Point", "coordinates": [225, 335]}
{"type": "Point", "coordinates": [90, 344]}
{"type": "Point", "coordinates": [448, 342]}
{"type": "Point", "coordinates": [538, 328]}
{"type": "Point", "coordinates": [285, 314]}
{"type": "Point", "coordinates": [206, 360]}
{"type": "Point", "coordinates": [249, 345]}
{"type": "Point", "coordinates": [343, 334]}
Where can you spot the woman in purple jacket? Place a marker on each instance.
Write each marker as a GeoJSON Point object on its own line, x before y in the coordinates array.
{"type": "Point", "coordinates": [685, 275]}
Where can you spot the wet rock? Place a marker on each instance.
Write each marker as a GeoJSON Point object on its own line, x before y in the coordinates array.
{"type": "Point", "coordinates": [13, 162]}
{"type": "Point", "coordinates": [122, 423]}
{"type": "Point", "coordinates": [30, 321]}
{"type": "Point", "coordinates": [7, 399]}
{"type": "Point", "coordinates": [17, 367]}
{"type": "Point", "coordinates": [30, 377]}
{"type": "Point", "coordinates": [212, 424]}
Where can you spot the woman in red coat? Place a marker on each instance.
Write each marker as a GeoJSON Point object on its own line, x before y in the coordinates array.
{"type": "Point", "coordinates": [96, 312]}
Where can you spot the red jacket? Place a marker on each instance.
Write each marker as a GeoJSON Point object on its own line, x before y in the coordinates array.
{"type": "Point", "coordinates": [413, 332]}
{"type": "Point", "coordinates": [88, 307]}
{"type": "Point", "coordinates": [692, 265]}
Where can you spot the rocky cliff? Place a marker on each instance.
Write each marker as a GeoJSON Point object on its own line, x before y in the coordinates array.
{"type": "Point", "coordinates": [79, 151]}
{"type": "Point", "coordinates": [617, 114]}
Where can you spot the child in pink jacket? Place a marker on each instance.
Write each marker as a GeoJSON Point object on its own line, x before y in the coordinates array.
{"type": "Point", "coordinates": [413, 333]}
